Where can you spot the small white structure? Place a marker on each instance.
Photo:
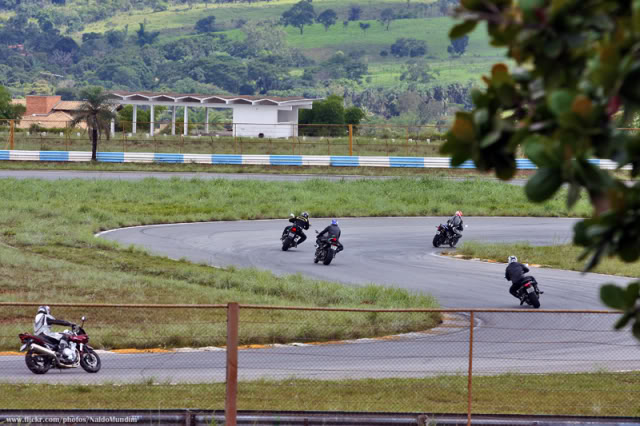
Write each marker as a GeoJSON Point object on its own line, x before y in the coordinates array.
{"type": "Point", "coordinates": [253, 116]}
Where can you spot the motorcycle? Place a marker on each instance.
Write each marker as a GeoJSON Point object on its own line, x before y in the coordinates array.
{"type": "Point", "coordinates": [326, 250]}
{"type": "Point", "coordinates": [445, 235]}
{"type": "Point", "coordinates": [72, 351]}
{"type": "Point", "coordinates": [529, 292]}
{"type": "Point", "coordinates": [290, 237]}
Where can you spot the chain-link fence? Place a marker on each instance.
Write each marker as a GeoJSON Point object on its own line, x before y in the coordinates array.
{"type": "Point", "coordinates": [266, 358]}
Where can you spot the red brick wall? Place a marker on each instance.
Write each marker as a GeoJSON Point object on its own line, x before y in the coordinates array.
{"type": "Point", "coordinates": [41, 104]}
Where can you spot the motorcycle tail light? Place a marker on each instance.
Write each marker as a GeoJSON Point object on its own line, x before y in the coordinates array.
{"type": "Point", "coordinates": [527, 285]}
{"type": "Point", "coordinates": [293, 229]}
{"type": "Point", "coordinates": [334, 240]}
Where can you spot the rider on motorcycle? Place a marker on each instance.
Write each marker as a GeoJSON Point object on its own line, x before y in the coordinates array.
{"type": "Point", "coordinates": [302, 222]}
{"type": "Point", "coordinates": [332, 231]}
{"type": "Point", "coordinates": [455, 224]}
{"type": "Point", "coordinates": [42, 323]}
{"type": "Point", "coordinates": [515, 273]}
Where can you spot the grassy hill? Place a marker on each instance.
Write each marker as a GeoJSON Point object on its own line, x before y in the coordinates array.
{"type": "Point", "coordinates": [177, 22]}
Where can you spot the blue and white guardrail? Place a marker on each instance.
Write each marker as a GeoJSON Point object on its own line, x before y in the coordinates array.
{"type": "Point", "coordinates": [267, 160]}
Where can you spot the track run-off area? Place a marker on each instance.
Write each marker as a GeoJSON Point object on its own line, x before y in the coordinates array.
{"type": "Point", "coordinates": [396, 252]}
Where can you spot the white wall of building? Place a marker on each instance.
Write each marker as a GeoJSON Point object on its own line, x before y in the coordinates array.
{"type": "Point", "coordinates": [265, 121]}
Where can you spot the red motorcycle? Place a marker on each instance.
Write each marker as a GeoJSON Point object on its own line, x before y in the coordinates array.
{"type": "Point", "coordinates": [72, 351]}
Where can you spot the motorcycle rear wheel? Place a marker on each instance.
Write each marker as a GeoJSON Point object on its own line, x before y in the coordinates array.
{"type": "Point", "coordinates": [328, 257]}
{"type": "Point", "coordinates": [90, 361]}
{"type": "Point", "coordinates": [533, 300]}
{"type": "Point", "coordinates": [452, 242]}
{"type": "Point", "coordinates": [286, 244]}
{"type": "Point", "coordinates": [37, 363]}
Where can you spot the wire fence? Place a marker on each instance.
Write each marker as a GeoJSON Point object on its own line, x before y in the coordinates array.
{"type": "Point", "coordinates": [242, 357]}
{"type": "Point", "coordinates": [233, 138]}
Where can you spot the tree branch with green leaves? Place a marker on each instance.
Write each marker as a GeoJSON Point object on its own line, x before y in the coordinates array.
{"type": "Point", "coordinates": [577, 68]}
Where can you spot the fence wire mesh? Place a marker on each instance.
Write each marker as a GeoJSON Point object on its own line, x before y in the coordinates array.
{"type": "Point", "coordinates": [522, 362]}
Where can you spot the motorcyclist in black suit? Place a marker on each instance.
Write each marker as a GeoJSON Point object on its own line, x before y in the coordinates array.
{"type": "Point", "coordinates": [301, 222]}
{"type": "Point", "coordinates": [515, 273]}
{"type": "Point", "coordinates": [331, 231]}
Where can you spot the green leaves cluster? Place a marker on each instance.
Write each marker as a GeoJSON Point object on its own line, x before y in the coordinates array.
{"type": "Point", "coordinates": [575, 83]}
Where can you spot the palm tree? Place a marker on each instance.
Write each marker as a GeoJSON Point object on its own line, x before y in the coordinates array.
{"type": "Point", "coordinates": [97, 111]}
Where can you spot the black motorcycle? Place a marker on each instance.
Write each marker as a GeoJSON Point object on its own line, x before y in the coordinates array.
{"type": "Point", "coordinates": [445, 235]}
{"type": "Point", "coordinates": [529, 292]}
{"type": "Point", "coordinates": [326, 249]}
{"type": "Point", "coordinates": [290, 237]}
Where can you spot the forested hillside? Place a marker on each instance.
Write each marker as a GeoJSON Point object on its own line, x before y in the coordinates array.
{"type": "Point", "coordinates": [391, 57]}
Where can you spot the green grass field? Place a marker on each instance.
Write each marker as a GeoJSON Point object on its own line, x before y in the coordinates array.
{"type": "Point", "coordinates": [561, 256]}
{"type": "Point", "coordinates": [595, 394]}
{"type": "Point", "coordinates": [49, 252]}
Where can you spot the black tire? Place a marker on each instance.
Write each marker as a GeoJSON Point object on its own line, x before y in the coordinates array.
{"type": "Point", "coordinates": [286, 244]}
{"type": "Point", "coordinates": [328, 257]}
{"type": "Point", "coordinates": [90, 361]}
{"type": "Point", "coordinates": [436, 241]}
{"type": "Point", "coordinates": [38, 363]}
{"type": "Point", "coordinates": [533, 300]}
{"type": "Point", "coordinates": [452, 242]}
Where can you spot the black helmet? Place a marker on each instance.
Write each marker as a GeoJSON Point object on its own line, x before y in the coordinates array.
{"type": "Point", "coordinates": [305, 215]}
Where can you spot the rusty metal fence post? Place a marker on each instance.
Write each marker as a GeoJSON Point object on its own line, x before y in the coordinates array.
{"type": "Point", "coordinates": [470, 373]}
{"type": "Point", "coordinates": [230, 409]}
{"type": "Point", "coordinates": [350, 139]}
{"type": "Point", "coordinates": [12, 126]}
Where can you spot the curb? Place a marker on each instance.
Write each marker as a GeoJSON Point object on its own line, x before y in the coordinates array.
{"type": "Point", "coordinates": [451, 323]}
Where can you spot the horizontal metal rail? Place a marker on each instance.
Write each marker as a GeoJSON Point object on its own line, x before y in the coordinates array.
{"type": "Point", "coordinates": [311, 308]}
{"type": "Point", "coordinates": [208, 417]}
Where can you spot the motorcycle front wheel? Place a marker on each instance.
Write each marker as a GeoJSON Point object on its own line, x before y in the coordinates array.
{"type": "Point", "coordinates": [37, 363]}
{"type": "Point", "coordinates": [436, 241]}
{"type": "Point", "coordinates": [90, 361]}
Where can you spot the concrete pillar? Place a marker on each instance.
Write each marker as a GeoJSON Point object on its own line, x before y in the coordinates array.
{"type": "Point", "coordinates": [206, 122]}
{"type": "Point", "coordinates": [135, 119]}
{"type": "Point", "coordinates": [186, 120]}
{"type": "Point", "coordinates": [173, 121]}
{"type": "Point", "coordinates": [152, 125]}
{"type": "Point", "coordinates": [113, 127]}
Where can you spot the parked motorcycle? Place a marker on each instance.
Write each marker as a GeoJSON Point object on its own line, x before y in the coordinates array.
{"type": "Point", "coordinates": [529, 292]}
{"type": "Point", "coordinates": [445, 235]}
{"type": "Point", "coordinates": [290, 237]}
{"type": "Point", "coordinates": [72, 351]}
{"type": "Point", "coordinates": [326, 250]}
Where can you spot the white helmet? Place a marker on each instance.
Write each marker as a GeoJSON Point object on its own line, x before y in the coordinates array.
{"type": "Point", "coordinates": [512, 259]}
{"type": "Point", "coordinates": [44, 309]}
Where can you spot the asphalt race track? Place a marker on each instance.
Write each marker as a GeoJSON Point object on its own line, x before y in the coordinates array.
{"type": "Point", "coordinates": [395, 252]}
{"type": "Point", "coordinates": [388, 251]}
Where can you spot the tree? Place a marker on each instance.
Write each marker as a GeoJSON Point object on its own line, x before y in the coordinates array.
{"type": "Point", "coordinates": [458, 46]}
{"type": "Point", "coordinates": [575, 82]}
{"type": "Point", "coordinates": [299, 15]}
{"type": "Point", "coordinates": [354, 12]}
{"type": "Point", "coordinates": [9, 111]}
{"type": "Point", "coordinates": [418, 72]}
{"type": "Point", "coordinates": [327, 18]}
{"type": "Point", "coordinates": [408, 47]}
{"type": "Point", "coordinates": [386, 16]}
{"type": "Point", "coordinates": [97, 112]}
{"type": "Point", "coordinates": [145, 37]}
{"type": "Point", "coordinates": [206, 25]}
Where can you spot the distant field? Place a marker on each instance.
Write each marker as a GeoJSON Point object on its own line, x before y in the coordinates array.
{"type": "Point", "coordinates": [181, 16]}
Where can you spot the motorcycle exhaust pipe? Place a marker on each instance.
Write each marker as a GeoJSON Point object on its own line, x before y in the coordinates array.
{"type": "Point", "coordinates": [42, 350]}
